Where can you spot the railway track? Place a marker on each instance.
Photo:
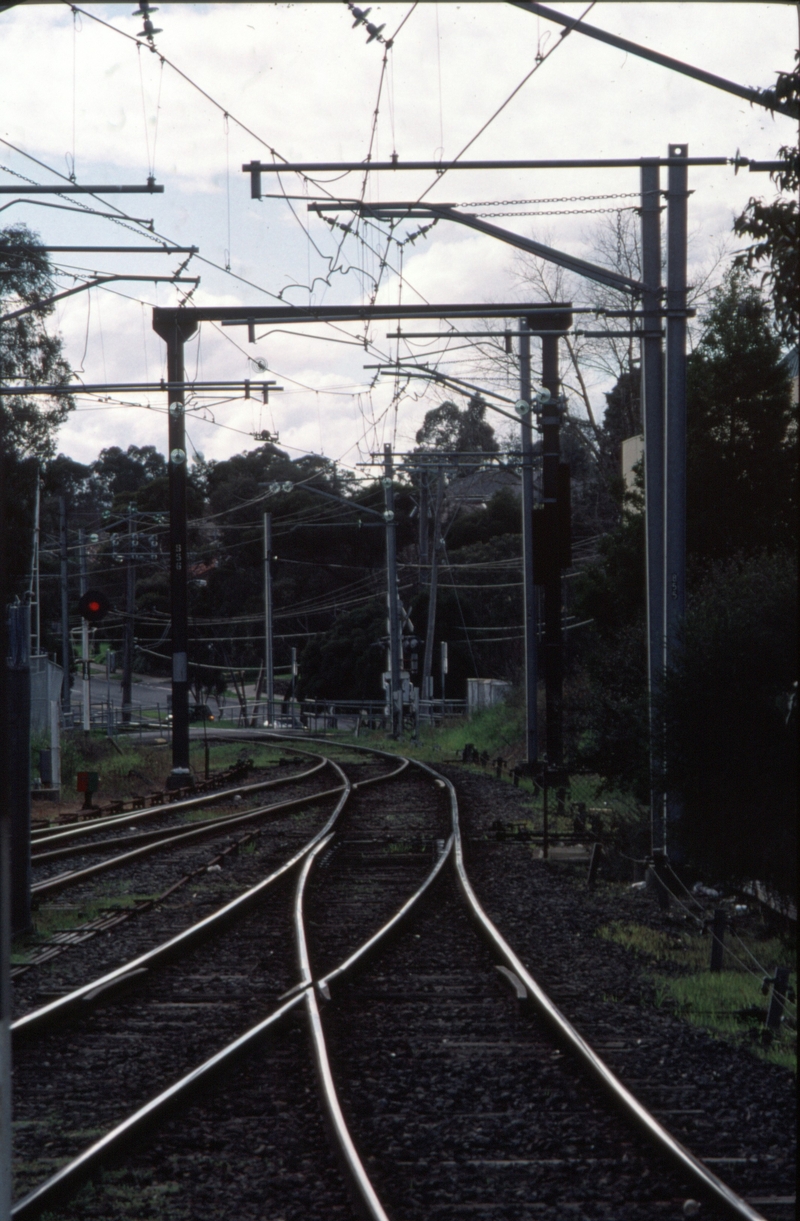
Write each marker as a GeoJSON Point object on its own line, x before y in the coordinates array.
{"type": "Point", "coordinates": [451, 1083]}
{"type": "Point", "coordinates": [142, 898]}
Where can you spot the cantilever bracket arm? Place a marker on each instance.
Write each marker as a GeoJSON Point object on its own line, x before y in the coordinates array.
{"type": "Point", "coordinates": [759, 97]}
{"type": "Point", "coordinates": [95, 282]}
{"type": "Point", "coordinates": [307, 487]}
{"type": "Point", "coordinates": [603, 275]}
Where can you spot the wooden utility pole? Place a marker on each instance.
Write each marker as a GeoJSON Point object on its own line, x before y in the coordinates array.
{"type": "Point", "coordinates": [392, 598]}
{"type": "Point", "coordinates": [130, 610]}
{"type": "Point", "coordinates": [66, 699]}
{"type": "Point", "coordinates": [269, 662]}
{"type": "Point", "coordinates": [531, 627]}
{"type": "Point", "coordinates": [422, 525]}
{"type": "Point", "coordinates": [86, 701]}
{"type": "Point", "coordinates": [427, 664]}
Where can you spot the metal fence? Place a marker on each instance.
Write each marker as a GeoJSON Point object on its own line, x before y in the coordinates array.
{"type": "Point", "coordinates": [314, 716]}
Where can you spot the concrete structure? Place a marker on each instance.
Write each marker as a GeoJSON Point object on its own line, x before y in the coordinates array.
{"type": "Point", "coordinates": [46, 679]}
{"type": "Point", "coordinates": [485, 693]}
{"type": "Point", "coordinates": [632, 455]}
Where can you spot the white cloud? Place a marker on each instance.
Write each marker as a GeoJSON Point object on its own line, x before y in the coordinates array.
{"type": "Point", "coordinates": [301, 79]}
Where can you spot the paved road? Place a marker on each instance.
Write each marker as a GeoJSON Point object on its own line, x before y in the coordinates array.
{"type": "Point", "coordinates": [148, 691]}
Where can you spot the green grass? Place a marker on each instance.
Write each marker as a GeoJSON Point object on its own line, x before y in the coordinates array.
{"type": "Point", "coordinates": [130, 768]}
{"type": "Point", "coordinates": [657, 945]}
{"type": "Point", "coordinates": [499, 732]}
{"type": "Point", "coordinates": [49, 918]}
{"type": "Point", "coordinates": [728, 1003]}
{"type": "Point", "coordinates": [123, 1193]}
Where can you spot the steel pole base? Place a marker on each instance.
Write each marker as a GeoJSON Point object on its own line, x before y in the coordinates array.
{"type": "Point", "coordinates": [179, 778]}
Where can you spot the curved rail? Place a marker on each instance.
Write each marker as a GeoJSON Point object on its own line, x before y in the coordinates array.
{"type": "Point", "coordinates": [213, 827]}
{"type": "Point", "coordinates": [75, 1172]}
{"type": "Point", "coordinates": [164, 834]}
{"type": "Point", "coordinates": [161, 834]}
{"type": "Point", "coordinates": [697, 1170]}
{"type": "Point", "coordinates": [306, 992]}
{"type": "Point", "coordinates": [69, 831]}
{"type": "Point", "coordinates": [68, 1177]}
{"type": "Point", "coordinates": [344, 1140]}
{"type": "Point", "coordinates": [668, 1144]}
{"type": "Point", "coordinates": [134, 968]}
{"type": "Point", "coordinates": [57, 1008]}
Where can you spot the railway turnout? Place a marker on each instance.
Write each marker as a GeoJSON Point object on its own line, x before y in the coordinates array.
{"type": "Point", "coordinates": [352, 961]}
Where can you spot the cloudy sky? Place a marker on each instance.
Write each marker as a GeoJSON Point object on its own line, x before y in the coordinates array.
{"type": "Point", "coordinates": [231, 82]}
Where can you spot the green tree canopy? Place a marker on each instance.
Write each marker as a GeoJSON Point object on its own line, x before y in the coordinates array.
{"type": "Point", "coordinates": [741, 439]}
{"type": "Point", "coordinates": [775, 227]}
{"type": "Point", "coordinates": [27, 351]}
{"type": "Point", "coordinates": [732, 745]}
{"type": "Point", "coordinates": [347, 662]}
{"type": "Point", "coordinates": [120, 474]}
{"type": "Point", "coordinates": [458, 430]}
{"type": "Point", "coordinates": [28, 425]}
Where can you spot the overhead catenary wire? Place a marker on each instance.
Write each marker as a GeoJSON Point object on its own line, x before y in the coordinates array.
{"type": "Point", "coordinates": [225, 112]}
{"type": "Point", "coordinates": [205, 93]}
{"type": "Point", "coordinates": [540, 60]}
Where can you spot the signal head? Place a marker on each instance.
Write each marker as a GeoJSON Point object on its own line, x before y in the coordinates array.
{"type": "Point", "coordinates": [94, 605]}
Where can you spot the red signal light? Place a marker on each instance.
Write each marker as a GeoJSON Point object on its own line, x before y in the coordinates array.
{"type": "Point", "coordinates": [94, 605]}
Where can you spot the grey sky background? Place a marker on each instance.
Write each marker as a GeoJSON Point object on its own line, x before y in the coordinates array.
{"type": "Point", "coordinates": [81, 97]}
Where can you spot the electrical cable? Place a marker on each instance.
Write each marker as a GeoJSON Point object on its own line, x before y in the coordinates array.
{"type": "Point", "coordinates": [726, 948]}
{"type": "Point", "coordinates": [733, 933]}
{"type": "Point", "coordinates": [539, 61]}
{"type": "Point", "coordinates": [273, 152]}
{"type": "Point", "coordinates": [163, 60]}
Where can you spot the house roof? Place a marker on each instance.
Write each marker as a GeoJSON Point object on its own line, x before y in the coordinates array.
{"type": "Point", "coordinates": [480, 486]}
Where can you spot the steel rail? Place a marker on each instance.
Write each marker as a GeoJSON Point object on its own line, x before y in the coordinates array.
{"type": "Point", "coordinates": [213, 827]}
{"type": "Point", "coordinates": [354, 1166]}
{"type": "Point", "coordinates": [326, 980]}
{"type": "Point", "coordinates": [38, 1017]}
{"type": "Point", "coordinates": [668, 1144]}
{"type": "Point", "coordinates": [43, 834]}
{"type": "Point", "coordinates": [57, 1008]}
{"type": "Point", "coordinates": [363, 784]}
{"type": "Point", "coordinates": [162, 836]}
{"type": "Point", "coordinates": [32, 1204]}
{"type": "Point", "coordinates": [73, 1173]}
{"type": "Point", "coordinates": [158, 835]}
{"type": "Point", "coordinates": [144, 813]}
{"type": "Point", "coordinates": [122, 820]}
{"type": "Point", "coordinates": [364, 750]}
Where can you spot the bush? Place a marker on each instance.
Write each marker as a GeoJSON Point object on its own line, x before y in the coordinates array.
{"type": "Point", "coordinates": [732, 747]}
